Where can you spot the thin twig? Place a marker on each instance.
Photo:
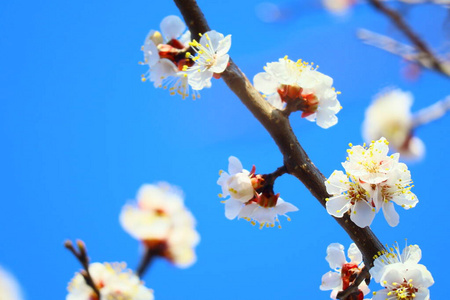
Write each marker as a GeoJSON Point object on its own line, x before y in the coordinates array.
{"type": "Point", "coordinates": [431, 113]}
{"type": "Point", "coordinates": [414, 38]}
{"type": "Point", "coordinates": [83, 258]}
{"type": "Point", "coordinates": [296, 160]}
{"type": "Point", "coordinates": [145, 262]}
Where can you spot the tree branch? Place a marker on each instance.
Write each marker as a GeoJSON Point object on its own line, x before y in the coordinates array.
{"type": "Point", "coordinates": [432, 61]}
{"type": "Point", "coordinates": [296, 160]}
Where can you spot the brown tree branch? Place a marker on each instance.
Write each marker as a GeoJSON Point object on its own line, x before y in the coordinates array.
{"type": "Point", "coordinates": [83, 258]}
{"type": "Point", "coordinates": [296, 160]}
{"type": "Point", "coordinates": [422, 48]}
{"type": "Point", "coordinates": [353, 288]}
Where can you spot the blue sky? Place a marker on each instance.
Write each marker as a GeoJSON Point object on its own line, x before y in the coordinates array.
{"type": "Point", "coordinates": [81, 133]}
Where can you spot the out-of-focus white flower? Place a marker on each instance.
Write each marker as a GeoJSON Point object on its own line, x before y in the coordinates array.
{"type": "Point", "coordinates": [341, 277]}
{"type": "Point", "coordinates": [349, 196]}
{"type": "Point", "coordinates": [401, 275]}
{"type": "Point", "coordinates": [390, 116]}
{"type": "Point", "coordinates": [165, 54]}
{"type": "Point", "coordinates": [9, 288]}
{"type": "Point", "coordinates": [371, 164]}
{"type": "Point", "coordinates": [211, 58]}
{"type": "Point", "coordinates": [113, 282]}
{"type": "Point", "coordinates": [338, 6]}
{"type": "Point", "coordinates": [303, 86]}
{"type": "Point", "coordinates": [161, 221]}
{"type": "Point", "coordinates": [246, 200]}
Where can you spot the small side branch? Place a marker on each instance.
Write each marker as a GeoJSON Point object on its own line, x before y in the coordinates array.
{"type": "Point", "coordinates": [83, 258]}
{"type": "Point", "coordinates": [431, 113]}
{"type": "Point", "coordinates": [354, 287]}
{"type": "Point", "coordinates": [419, 44]}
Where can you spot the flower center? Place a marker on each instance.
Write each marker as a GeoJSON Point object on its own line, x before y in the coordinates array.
{"type": "Point", "coordinates": [403, 291]}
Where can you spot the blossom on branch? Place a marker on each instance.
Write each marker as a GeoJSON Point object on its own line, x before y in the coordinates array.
{"type": "Point", "coordinates": [390, 116]}
{"type": "Point", "coordinates": [113, 281]}
{"type": "Point", "coordinates": [162, 223]}
{"type": "Point", "coordinates": [374, 180]}
{"type": "Point", "coordinates": [401, 275]}
{"type": "Point", "coordinates": [344, 273]}
{"type": "Point", "coordinates": [165, 54]}
{"type": "Point", "coordinates": [210, 60]}
{"type": "Point", "coordinates": [302, 87]}
{"type": "Point", "coordinates": [251, 198]}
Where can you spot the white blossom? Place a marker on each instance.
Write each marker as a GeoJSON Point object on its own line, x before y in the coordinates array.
{"type": "Point", "coordinates": [338, 279]}
{"type": "Point", "coordinates": [349, 196]}
{"type": "Point", "coordinates": [338, 6]}
{"type": "Point", "coordinates": [113, 282]}
{"type": "Point", "coordinates": [300, 82]}
{"type": "Point", "coordinates": [401, 275]}
{"type": "Point", "coordinates": [390, 116]}
{"type": "Point", "coordinates": [164, 53]}
{"type": "Point", "coordinates": [245, 201]}
{"type": "Point", "coordinates": [160, 219]}
{"type": "Point", "coordinates": [371, 164]}
{"type": "Point", "coordinates": [211, 58]}
{"type": "Point", "coordinates": [9, 287]}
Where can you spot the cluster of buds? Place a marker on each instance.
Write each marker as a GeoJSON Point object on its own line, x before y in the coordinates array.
{"type": "Point", "coordinates": [251, 196]}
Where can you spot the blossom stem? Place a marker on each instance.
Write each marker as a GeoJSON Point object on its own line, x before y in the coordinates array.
{"type": "Point", "coordinates": [296, 160]}
{"type": "Point", "coordinates": [270, 178]}
{"type": "Point", "coordinates": [146, 261]}
{"type": "Point", "coordinates": [83, 258]}
{"type": "Point", "coordinates": [352, 290]}
{"type": "Point", "coordinates": [420, 45]}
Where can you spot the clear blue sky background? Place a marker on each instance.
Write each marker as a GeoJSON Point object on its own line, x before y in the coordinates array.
{"type": "Point", "coordinates": [80, 133]}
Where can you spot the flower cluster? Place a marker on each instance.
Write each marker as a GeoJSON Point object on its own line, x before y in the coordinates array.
{"type": "Point", "coordinates": [374, 180]}
{"type": "Point", "coordinates": [344, 273]}
{"type": "Point", "coordinates": [113, 281]}
{"type": "Point", "coordinates": [300, 85]}
{"type": "Point", "coordinates": [9, 288]}
{"type": "Point", "coordinates": [163, 224]}
{"type": "Point", "coordinates": [401, 275]}
{"type": "Point", "coordinates": [173, 67]}
{"type": "Point", "coordinates": [250, 198]}
{"type": "Point", "coordinates": [390, 116]}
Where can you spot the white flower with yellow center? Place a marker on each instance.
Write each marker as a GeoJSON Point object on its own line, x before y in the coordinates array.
{"type": "Point", "coordinates": [9, 288]}
{"type": "Point", "coordinates": [390, 116]}
{"type": "Point", "coordinates": [211, 58]}
{"type": "Point", "coordinates": [113, 282]}
{"type": "Point", "coordinates": [349, 196]}
{"type": "Point", "coordinates": [302, 84]}
{"type": "Point", "coordinates": [343, 271]}
{"type": "Point", "coordinates": [161, 220]}
{"type": "Point", "coordinates": [402, 277]}
{"type": "Point", "coordinates": [371, 164]}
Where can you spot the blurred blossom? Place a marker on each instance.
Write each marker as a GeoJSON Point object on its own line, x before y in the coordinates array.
{"type": "Point", "coordinates": [161, 221]}
{"type": "Point", "coordinates": [390, 116]}
{"type": "Point", "coordinates": [113, 282]}
{"type": "Point", "coordinates": [9, 288]}
{"type": "Point", "coordinates": [343, 272]}
{"type": "Point", "coordinates": [338, 6]}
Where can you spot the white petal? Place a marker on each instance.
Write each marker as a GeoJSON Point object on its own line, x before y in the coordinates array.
{"type": "Point", "coordinates": [200, 80]}
{"type": "Point", "coordinates": [221, 64]}
{"type": "Point", "coordinates": [275, 100]}
{"type": "Point", "coordinates": [381, 295]}
{"type": "Point", "coordinates": [283, 207]}
{"type": "Point", "coordinates": [234, 165]}
{"type": "Point", "coordinates": [336, 184]}
{"type": "Point", "coordinates": [224, 45]}
{"type": "Point", "coordinates": [232, 208]}
{"type": "Point", "coordinates": [354, 254]}
{"type": "Point", "coordinates": [330, 281]}
{"type": "Point", "coordinates": [390, 214]}
{"type": "Point", "coordinates": [247, 211]}
{"type": "Point", "coordinates": [172, 27]}
{"type": "Point", "coordinates": [265, 83]}
{"type": "Point", "coordinates": [422, 294]}
{"type": "Point", "coordinates": [335, 256]}
{"type": "Point", "coordinates": [326, 118]}
{"type": "Point", "coordinates": [337, 206]}
{"type": "Point", "coordinates": [411, 254]}
{"type": "Point", "coordinates": [362, 214]}
{"type": "Point", "coordinates": [161, 70]}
